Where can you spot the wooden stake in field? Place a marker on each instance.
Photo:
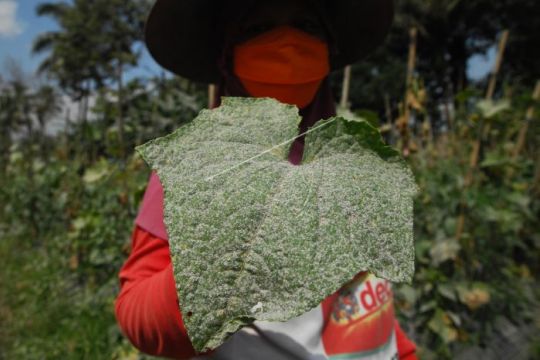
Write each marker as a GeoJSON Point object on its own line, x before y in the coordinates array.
{"type": "Point", "coordinates": [345, 91]}
{"type": "Point", "coordinates": [483, 131]}
{"type": "Point", "coordinates": [211, 95]}
{"type": "Point", "coordinates": [495, 73]}
{"type": "Point", "coordinates": [411, 65]}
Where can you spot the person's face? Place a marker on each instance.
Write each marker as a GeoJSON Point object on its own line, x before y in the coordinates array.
{"type": "Point", "coordinates": [270, 14]}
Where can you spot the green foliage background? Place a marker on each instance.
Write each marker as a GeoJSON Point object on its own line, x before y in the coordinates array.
{"type": "Point", "coordinates": [68, 199]}
{"type": "Point", "coordinates": [66, 220]}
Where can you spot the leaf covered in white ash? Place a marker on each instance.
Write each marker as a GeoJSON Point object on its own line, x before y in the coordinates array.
{"type": "Point", "coordinates": [253, 237]}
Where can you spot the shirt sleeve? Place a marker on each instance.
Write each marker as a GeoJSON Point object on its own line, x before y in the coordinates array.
{"type": "Point", "coordinates": [147, 307]}
{"type": "Point", "coordinates": [406, 348]}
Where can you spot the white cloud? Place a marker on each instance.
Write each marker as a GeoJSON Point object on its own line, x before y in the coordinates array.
{"type": "Point", "coordinates": [9, 26]}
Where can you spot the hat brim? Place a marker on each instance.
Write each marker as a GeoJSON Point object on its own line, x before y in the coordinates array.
{"type": "Point", "coordinates": [183, 35]}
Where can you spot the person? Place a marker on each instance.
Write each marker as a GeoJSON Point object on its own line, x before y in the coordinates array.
{"type": "Point", "coordinates": [283, 49]}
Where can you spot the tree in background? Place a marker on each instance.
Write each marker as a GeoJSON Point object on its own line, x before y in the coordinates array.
{"type": "Point", "coordinates": [450, 32]}
{"type": "Point", "coordinates": [522, 19]}
{"type": "Point", "coordinates": [8, 123]}
{"type": "Point", "coordinates": [46, 104]}
{"type": "Point", "coordinates": [95, 45]}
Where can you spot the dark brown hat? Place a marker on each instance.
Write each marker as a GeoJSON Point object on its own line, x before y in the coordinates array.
{"type": "Point", "coordinates": [184, 36]}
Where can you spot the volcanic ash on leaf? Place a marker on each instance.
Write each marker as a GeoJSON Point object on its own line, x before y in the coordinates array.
{"type": "Point", "coordinates": [263, 239]}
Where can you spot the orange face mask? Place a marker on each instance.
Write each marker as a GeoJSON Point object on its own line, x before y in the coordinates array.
{"type": "Point", "coordinates": [285, 63]}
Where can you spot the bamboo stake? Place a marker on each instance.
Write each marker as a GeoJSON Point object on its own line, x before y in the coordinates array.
{"type": "Point", "coordinates": [411, 65]}
{"type": "Point", "coordinates": [483, 131]}
{"type": "Point", "coordinates": [413, 33]}
{"type": "Point", "coordinates": [448, 114]}
{"type": "Point", "coordinates": [211, 96]}
{"type": "Point", "coordinates": [489, 96]}
{"type": "Point", "coordinates": [344, 104]}
{"type": "Point", "coordinates": [520, 144]}
{"type": "Point", "coordinates": [497, 67]}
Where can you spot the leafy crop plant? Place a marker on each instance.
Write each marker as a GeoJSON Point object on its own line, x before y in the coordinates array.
{"type": "Point", "coordinates": [253, 237]}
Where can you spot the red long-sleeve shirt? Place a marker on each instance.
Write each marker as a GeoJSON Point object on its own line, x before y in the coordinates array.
{"type": "Point", "coordinates": [147, 307]}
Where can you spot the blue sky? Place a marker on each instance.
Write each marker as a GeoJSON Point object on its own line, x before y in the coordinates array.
{"type": "Point", "coordinates": [19, 26]}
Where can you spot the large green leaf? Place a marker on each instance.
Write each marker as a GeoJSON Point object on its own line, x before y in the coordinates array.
{"type": "Point", "coordinates": [254, 237]}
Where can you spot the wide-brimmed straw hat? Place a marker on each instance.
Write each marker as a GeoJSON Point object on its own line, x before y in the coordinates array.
{"type": "Point", "coordinates": [183, 36]}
